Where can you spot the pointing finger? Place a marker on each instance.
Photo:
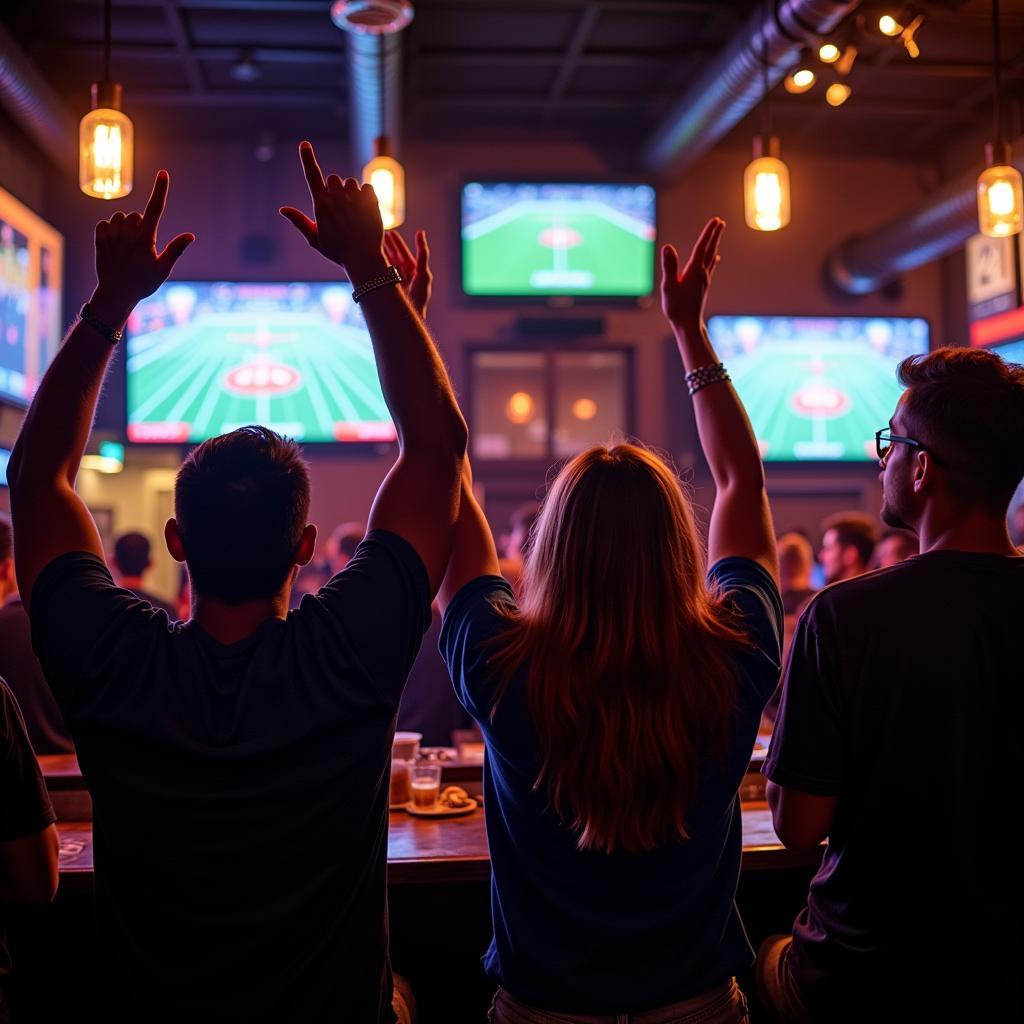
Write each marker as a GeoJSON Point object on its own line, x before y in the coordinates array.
{"type": "Point", "coordinates": [157, 202]}
{"type": "Point", "coordinates": [314, 176]}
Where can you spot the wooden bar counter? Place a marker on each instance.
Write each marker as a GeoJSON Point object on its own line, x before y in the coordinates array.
{"type": "Point", "coordinates": [422, 851]}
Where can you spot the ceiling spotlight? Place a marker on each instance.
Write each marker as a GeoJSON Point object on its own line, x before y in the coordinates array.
{"type": "Point", "coordinates": [245, 69]}
{"type": "Point", "coordinates": [799, 81]}
{"type": "Point", "coordinates": [837, 94]}
{"type": "Point", "coordinates": [889, 26]}
{"type": "Point", "coordinates": [828, 53]}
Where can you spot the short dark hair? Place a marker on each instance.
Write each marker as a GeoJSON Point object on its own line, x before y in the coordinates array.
{"type": "Point", "coordinates": [854, 529]}
{"type": "Point", "coordinates": [241, 501]}
{"type": "Point", "coordinates": [968, 405]}
{"type": "Point", "coordinates": [131, 554]}
{"type": "Point", "coordinates": [6, 539]}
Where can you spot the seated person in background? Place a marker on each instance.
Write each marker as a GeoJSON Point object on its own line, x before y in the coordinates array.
{"type": "Point", "coordinates": [19, 664]}
{"type": "Point", "coordinates": [131, 562]}
{"type": "Point", "coordinates": [796, 563]}
{"type": "Point", "coordinates": [517, 542]}
{"type": "Point", "coordinates": [342, 544]}
{"type": "Point", "coordinates": [894, 546]}
{"type": "Point", "coordinates": [238, 762]}
{"type": "Point", "coordinates": [899, 730]}
{"type": "Point", "coordinates": [847, 542]}
{"type": "Point", "coordinates": [28, 837]}
{"type": "Point", "coordinates": [619, 703]}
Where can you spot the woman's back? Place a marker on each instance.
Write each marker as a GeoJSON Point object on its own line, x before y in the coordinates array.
{"type": "Point", "coordinates": [585, 931]}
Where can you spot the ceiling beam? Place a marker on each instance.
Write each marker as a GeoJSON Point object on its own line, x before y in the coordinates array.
{"type": "Point", "coordinates": [183, 47]}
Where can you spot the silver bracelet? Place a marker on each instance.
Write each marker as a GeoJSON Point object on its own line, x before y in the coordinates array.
{"type": "Point", "coordinates": [390, 276]}
{"type": "Point", "coordinates": [702, 376]}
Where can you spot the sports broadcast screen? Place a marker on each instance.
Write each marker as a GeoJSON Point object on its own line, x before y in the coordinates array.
{"type": "Point", "coordinates": [31, 265]}
{"type": "Point", "coordinates": [204, 358]}
{"type": "Point", "coordinates": [817, 388]}
{"type": "Point", "coordinates": [521, 239]}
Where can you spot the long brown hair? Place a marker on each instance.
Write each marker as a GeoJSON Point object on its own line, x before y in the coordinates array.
{"type": "Point", "coordinates": [629, 672]}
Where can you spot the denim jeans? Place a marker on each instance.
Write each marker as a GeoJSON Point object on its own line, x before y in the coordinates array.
{"type": "Point", "coordinates": [723, 1005]}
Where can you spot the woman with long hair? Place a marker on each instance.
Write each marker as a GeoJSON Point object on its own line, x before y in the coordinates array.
{"type": "Point", "coordinates": [619, 701]}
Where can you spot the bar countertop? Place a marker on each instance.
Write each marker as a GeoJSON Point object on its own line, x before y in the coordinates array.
{"type": "Point", "coordinates": [422, 851]}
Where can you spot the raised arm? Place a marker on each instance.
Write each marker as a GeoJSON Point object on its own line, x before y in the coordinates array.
{"type": "Point", "coordinates": [473, 551]}
{"type": "Point", "coordinates": [741, 521]}
{"type": "Point", "coordinates": [49, 517]}
{"type": "Point", "coordinates": [419, 497]}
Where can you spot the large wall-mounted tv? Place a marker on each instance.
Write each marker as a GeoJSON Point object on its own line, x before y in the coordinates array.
{"type": "Point", "coordinates": [1012, 352]}
{"type": "Point", "coordinates": [206, 357]}
{"type": "Point", "coordinates": [530, 239]}
{"type": "Point", "coordinates": [31, 269]}
{"type": "Point", "coordinates": [817, 388]}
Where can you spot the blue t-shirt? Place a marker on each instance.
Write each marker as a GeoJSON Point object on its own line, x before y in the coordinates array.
{"type": "Point", "coordinates": [239, 791]}
{"type": "Point", "coordinates": [589, 932]}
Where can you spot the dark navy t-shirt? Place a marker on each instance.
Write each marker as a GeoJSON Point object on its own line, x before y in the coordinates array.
{"type": "Point", "coordinates": [904, 699]}
{"type": "Point", "coordinates": [240, 791]}
{"type": "Point", "coordinates": [588, 932]}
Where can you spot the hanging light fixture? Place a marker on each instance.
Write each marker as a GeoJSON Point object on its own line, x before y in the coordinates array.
{"type": "Point", "coordinates": [766, 179]}
{"type": "Point", "coordinates": [828, 53]}
{"type": "Point", "coordinates": [1000, 195]}
{"type": "Point", "coordinates": [387, 176]}
{"type": "Point", "coordinates": [105, 143]}
{"type": "Point", "coordinates": [799, 81]}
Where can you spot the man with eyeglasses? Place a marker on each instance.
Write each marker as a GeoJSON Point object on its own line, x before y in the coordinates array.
{"type": "Point", "coordinates": [899, 725]}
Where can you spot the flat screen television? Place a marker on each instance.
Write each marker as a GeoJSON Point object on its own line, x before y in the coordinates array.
{"type": "Point", "coordinates": [206, 357]}
{"type": "Point", "coordinates": [31, 269]}
{"type": "Point", "coordinates": [817, 388]}
{"type": "Point", "coordinates": [536, 239]}
{"type": "Point", "coordinates": [1012, 351]}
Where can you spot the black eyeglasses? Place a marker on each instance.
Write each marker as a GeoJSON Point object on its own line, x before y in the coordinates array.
{"type": "Point", "coordinates": [885, 439]}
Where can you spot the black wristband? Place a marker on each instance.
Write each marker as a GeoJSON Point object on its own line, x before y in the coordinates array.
{"type": "Point", "coordinates": [390, 276]}
{"type": "Point", "coordinates": [110, 333]}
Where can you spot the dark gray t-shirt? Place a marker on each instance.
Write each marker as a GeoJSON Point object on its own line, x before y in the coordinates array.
{"type": "Point", "coordinates": [239, 792]}
{"type": "Point", "coordinates": [903, 699]}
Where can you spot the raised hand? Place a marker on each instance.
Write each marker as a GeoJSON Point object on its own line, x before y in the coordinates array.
{"type": "Point", "coordinates": [128, 266]}
{"type": "Point", "coordinates": [415, 270]}
{"type": "Point", "coordinates": [683, 295]}
{"type": "Point", "coordinates": [346, 225]}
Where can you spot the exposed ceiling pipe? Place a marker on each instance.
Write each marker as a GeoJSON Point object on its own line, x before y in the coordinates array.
{"type": "Point", "coordinates": [934, 229]}
{"type": "Point", "coordinates": [36, 107]}
{"type": "Point", "coordinates": [373, 28]}
{"type": "Point", "coordinates": [731, 86]}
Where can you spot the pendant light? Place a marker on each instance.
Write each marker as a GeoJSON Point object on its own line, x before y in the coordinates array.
{"type": "Point", "coordinates": [766, 179]}
{"type": "Point", "coordinates": [1000, 196]}
{"type": "Point", "coordinates": [384, 172]}
{"type": "Point", "coordinates": [105, 141]}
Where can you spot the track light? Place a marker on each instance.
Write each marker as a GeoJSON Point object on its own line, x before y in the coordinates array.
{"type": "Point", "coordinates": [799, 81]}
{"type": "Point", "coordinates": [889, 26]}
{"type": "Point", "coordinates": [828, 53]}
{"type": "Point", "coordinates": [837, 94]}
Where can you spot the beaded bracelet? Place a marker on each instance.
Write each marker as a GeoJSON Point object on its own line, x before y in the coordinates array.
{"type": "Point", "coordinates": [702, 376]}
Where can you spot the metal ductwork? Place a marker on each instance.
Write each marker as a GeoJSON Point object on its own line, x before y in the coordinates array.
{"type": "Point", "coordinates": [938, 227]}
{"type": "Point", "coordinates": [31, 102]}
{"type": "Point", "coordinates": [732, 85]}
{"type": "Point", "coordinates": [374, 30]}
